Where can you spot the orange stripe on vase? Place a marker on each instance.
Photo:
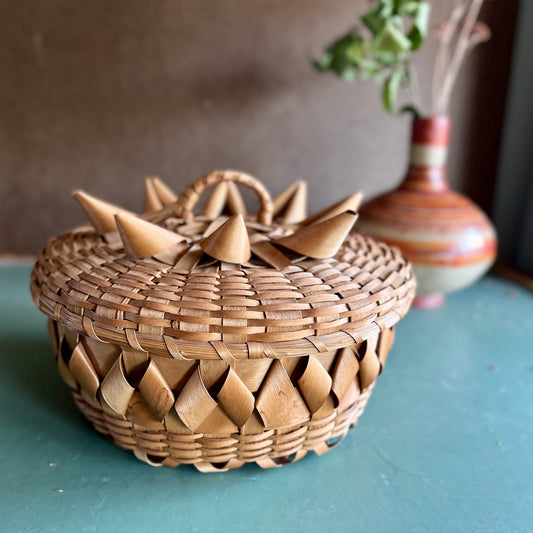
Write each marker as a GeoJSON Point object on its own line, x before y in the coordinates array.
{"type": "Point", "coordinates": [439, 254]}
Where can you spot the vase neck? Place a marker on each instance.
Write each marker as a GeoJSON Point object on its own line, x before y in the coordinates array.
{"type": "Point", "coordinates": [429, 150]}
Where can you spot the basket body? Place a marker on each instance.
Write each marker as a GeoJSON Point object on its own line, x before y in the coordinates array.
{"type": "Point", "coordinates": [171, 412]}
{"type": "Point", "coordinates": [214, 340]}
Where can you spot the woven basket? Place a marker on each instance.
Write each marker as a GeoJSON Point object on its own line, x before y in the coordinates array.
{"type": "Point", "coordinates": [219, 341]}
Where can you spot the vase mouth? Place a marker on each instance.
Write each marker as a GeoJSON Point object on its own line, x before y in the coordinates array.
{"type": "Point", "coordinates": [433, 130]}
{"type": "Point", "coordinates": [438, 116]}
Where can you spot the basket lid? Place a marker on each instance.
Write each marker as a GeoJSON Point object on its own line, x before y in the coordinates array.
{"type": "Point", "coordinates": [212, 286]}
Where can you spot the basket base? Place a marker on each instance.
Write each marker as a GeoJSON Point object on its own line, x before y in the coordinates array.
{"type": "Point", "coordinates": [218, 453]}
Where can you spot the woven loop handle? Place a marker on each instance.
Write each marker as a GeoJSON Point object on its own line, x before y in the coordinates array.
{"type": "Point", "coordinates": [190, 197]}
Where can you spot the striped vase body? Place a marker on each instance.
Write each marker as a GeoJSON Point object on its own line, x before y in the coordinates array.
{"type": "Point", "coordinates": [449, 240]}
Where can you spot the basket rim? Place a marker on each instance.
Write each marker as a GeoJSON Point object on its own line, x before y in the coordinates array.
{"type": "Point", "coordinates": [216, 350]}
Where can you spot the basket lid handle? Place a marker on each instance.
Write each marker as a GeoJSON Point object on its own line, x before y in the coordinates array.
{"type": "Point", "coordinates": [189, 198]}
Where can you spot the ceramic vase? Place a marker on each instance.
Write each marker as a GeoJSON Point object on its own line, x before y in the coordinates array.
{"type": "Point", "coordinates": [448, 239]}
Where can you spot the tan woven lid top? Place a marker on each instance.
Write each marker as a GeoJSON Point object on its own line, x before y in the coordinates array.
{"type": "Point", "coordinates": [212, 286]}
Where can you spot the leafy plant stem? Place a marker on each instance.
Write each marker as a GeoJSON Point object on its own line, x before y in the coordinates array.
{"type": "Point", "coordinates": [382, 49]}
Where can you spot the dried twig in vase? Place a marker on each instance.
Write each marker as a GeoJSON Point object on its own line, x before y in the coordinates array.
{"type": "Point", "coordinates": [467, 38]}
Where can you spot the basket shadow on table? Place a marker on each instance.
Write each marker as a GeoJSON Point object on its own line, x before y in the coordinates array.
{"type": "Point", "coordinates": [29, 375]}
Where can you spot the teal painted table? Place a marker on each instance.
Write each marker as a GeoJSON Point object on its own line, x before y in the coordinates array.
{"type": "Point", "coordinates": [446, 442]}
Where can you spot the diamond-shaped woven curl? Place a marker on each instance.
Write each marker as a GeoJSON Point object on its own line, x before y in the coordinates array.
{"type": "Point", "coordinates": [217, 341]}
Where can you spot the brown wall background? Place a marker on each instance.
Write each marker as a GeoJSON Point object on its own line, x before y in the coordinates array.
{"type": "Point", "coordinates": [96, 95]}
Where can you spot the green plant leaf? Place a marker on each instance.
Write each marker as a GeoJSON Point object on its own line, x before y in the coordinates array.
{"type": "Point", "coordinates": [373, 21]}
{"type": "Point", "coordinates": [390, 90]}
{"type": "Point", "coordinates": [347, 73]}
{"type": "Point", "coordinates": [407, 7]}
{"type": "Point", "coordinates": [386, 59]}
{"type": "Point", "coordinates": [391, 39]}
{"type": "Point", "coordinates": [324, 63]}
{"type": "Point", "coordinates": [341, 62]}
{"type": "Point", "coordinates": [420, 26]}
{"type": "Point", "coordinates": [355, 50]}
{"type": "Point", "coordinates": [386, 8]}
{"type": "Point", "coordinates": [369, 69]}
{"type": "Point", "coordinates": [343, 56]}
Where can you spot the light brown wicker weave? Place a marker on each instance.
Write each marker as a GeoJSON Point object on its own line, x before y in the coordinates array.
{"type": "Point", "coordinates": [218, 341]}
